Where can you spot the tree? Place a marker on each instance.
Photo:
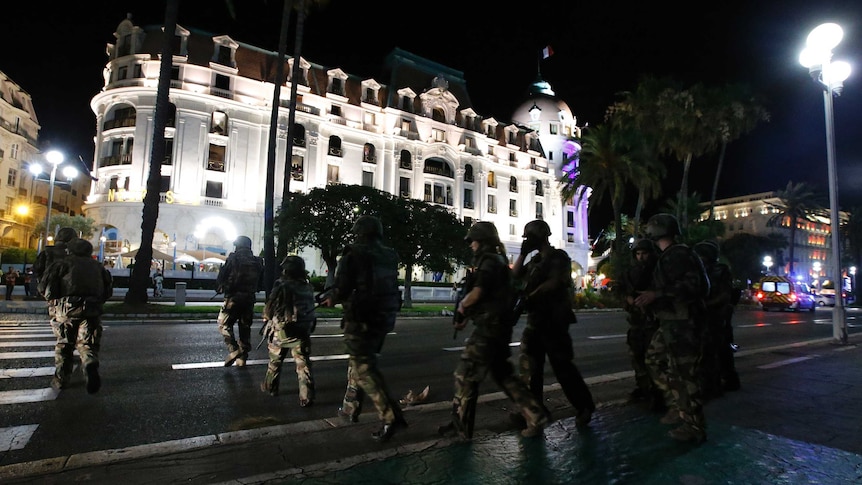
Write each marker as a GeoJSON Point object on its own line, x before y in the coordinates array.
{"type": "Point", "coordinates": [744, 253]}
{"type": "Point", "coordinates": [323, 219]}
{"type": "Point", "coordinates": [851, 232]}
{"type": "Point", "coordinates": [139, 280]}
{"type": "Point", "coordinates": [83, 225]}
{"type": "Point", "coordinates": [795, 203]}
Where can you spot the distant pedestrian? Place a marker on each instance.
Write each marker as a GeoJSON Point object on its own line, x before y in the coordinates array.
{"type": "Point", "coordinates": [10, 278]}
{"type": "Point", "coordinates": [549, 290]}
{"type": "Point", "coordinates": [28, 283]}
{"type": "Point", "coordinates": [158, 284]}
{"type": "Point", "coordinates": [77, 287]}
{"type": "Point", "coordinates": [642, 323]}
{"type": "Point", "coordinates": [366, 283]}
{"type": "Point", "coordinates": [487, 304]}
{"type": "Point", "coordinates": [239, 279]}
{"type": "Point", "coordinates": [290, 319]}
{"type": "Point", "coordinates": [676, 296]}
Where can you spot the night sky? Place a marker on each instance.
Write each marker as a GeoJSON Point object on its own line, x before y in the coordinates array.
{"type": "Point", "coordinates": [56, 52]}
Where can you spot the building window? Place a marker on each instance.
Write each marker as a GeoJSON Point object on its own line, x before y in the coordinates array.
{"type": "Point", "coordinates": [438, 166]}
{"type": "Point", "coordinates": [492, 204]}
{"type": "Point", "coordinates": [337, 86]}
{"type": "Point", "coordinates": [406, 160]}
{"type": "Point", "coordinates": [122, 73]}
{"type": "Point", "coordinates": [438, 135]}
{"type": "Point", "coordinates": [511, 229]}
{"type": "Point", "coordinates": [12, 177]}
{"type": "Point", "coordinates": [367, 178]}
{"type": "Point", "coordinates": [335, 110]}
{"type": "Point", "coordinates": [169, 152]}
{"type": "Point", "coordinates": [215, 162]}
{"type": "Point", "coordinates": [164, 184]}
{"type": "Point", "coordinates": [218, 123]}
{"type": "Point", "coordinates": [406, 104]}
{"type": "Point", "coordinates": [298, 135]}
{"type": "Point", "coordinates": [404, 187]}
{"type": "Point", "coordinates": [222, 82]}
{"type": "Point", "coordinates": [540, 189]}
{"type": "Point", "coordinates": [554, 128]}
{"type": "Point", "coordinates": [468, 173]}
{"type": "Point", "coordinates": [296, 170]}
{"type": "Point", "coordinates": [368, 154]}
{"type": "Point", "coordinates": [224, 55]}
{"type": "Point", "coordinates": [332, 174]}
{"type": "Point", "coordinates": [539, 212]}
{"type": "Point", "coordinates": [113, 183]}
{"type": "Point", "coordinates": [334, 146]}
{"type": "Point", "coordinates": [214, 190]}
{"type": "Point", "coordinates": [570, 219]}
{"type": "Point", "coordinates": [513, 207]}
{"type": "Point", "coordinates": [175, 73]}
{"type": "Point", "coordinates": [513, 184]}
{"type": "Point", "coordinates": [468, 198]}
{"type": "Point", "coordinates": [492, 181]}
{"type": "Point", "coordinates": [438, 194]}
{"type": "Point", "coordinates": [370, 96]}
{"type": "Point", "coordinates": [13, 151]}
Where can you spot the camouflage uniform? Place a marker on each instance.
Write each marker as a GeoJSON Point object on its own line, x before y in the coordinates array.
{"type": "Point", "coordinates": [366, 283]}
{"type": "Point", "coordinates": [51, 254]}
{"type": "Point", "coordinates": [239, 279]}
{"type": "Point", "coordinates": [290, 317]}
{"type": "Point", "coordinates": [718, 369]}
{"type": "Point", "coordinates": [548, 285]}
{"type": "Point", "coordinates": [642, 323]}
{"type": "Point", "coordinates": [77, 287]}
{"type": "Point", "coordinates": [487, 348]}
{"type": "Point", "coordinates": [674, 354]}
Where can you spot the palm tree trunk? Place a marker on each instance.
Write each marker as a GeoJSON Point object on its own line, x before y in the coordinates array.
{"type": "Point", "coordinates": [269, 269]}
{"type": "Point", "coordinates": [715, 180]}
{"type": "Point", "coordinates": [683, 192]}
{"type": "Point", "coordinates": [792, 244]}
{"type": "Point", "coordinates": [140, 277]}
{"type": "Point", "coordinates": [638, 209]}
{"type": "Point", "coordinates": [408, 299]}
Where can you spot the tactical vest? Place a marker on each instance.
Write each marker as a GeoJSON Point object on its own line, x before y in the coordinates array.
{"type": "Point", "coordinates": [501, 300]}
{"type": "Point", "coordinates": [376, 294]}
{"type": "Point", "coordinates": [245, 273]}
{"type": "Point", "coordinates": [691, 303]}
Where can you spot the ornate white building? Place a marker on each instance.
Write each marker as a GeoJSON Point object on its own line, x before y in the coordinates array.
{"type": "Point", "coordinates": [412, 133]}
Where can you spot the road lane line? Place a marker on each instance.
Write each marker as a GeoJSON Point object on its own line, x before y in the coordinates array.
{"type": "Point", "coordinates": [29, 343]}
{"type": "Point", "coordinates": [29, 355]}
{"type": "Point", "coordinates": [28, 395]}
{"type": "Point", "coordinates": [16, 437]}
{"type": "Point", "coordinates": [605, 337]}
{"type": "Point", "coordinates": [787, 362]}
{"type": "Point", "coordinates": [26, 372]}
{"type": "Point", "coordinates": [205, 365]}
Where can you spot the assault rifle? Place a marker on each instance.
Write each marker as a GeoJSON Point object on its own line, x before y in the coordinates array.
{"type": "Point", "coordinates": [461, 289]}
{"type": "Point", "coordinates": [266, 331]}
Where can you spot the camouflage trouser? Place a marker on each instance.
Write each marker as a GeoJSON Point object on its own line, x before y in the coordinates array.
{"type": "Point", "coordinates": [481, 355]}
{"type": "Point", "coordinates": [673, 359]}
{"type": "Point", "coordinates": [243, 315]}
{"type": "Point", "coordinates": [363, 377]}
{"type": "Point", "coordinates": [552, 340]}
{"type": "Point", "coordinates": [83, 334]}
{"type": "Point", "coordinates": [638, 338]}
{"type": "Point", "coordinates": [300, 350]}
{"type": "Point", "coordinates": [713, 339]}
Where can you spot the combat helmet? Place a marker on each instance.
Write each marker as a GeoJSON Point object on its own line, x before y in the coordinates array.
{"type": "Point", "coordinates": [368, 227]}
{"type": "Point", "coordinates": [242, 242]}
{"type": "Point", "coordinates": [643, 245]}
{"type": "Point", "coordinates": [707, 250]}
{"type": "Point", "coordinates": [293, 266]}
{"type": "Point", "coordinates": [538, 229]}
{"type": "Point", "coordinates": [79, 247]}
{"type": "Point", "coordinates": [482, 232]}
{"type": "Point", "coordinates": [662, 225]}
{"type": "Point", "coordinates": [66, 234]}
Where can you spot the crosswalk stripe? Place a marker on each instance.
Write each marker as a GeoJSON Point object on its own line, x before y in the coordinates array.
{"type": "Point", "coordinates": [29, 343]}
{"type": "Point", "coordinates": [29, 355]}
{"type": "Point", "coordinates": [26, 372]}
{"type": "Point", "coordinates": [13, 331]}
{"type": "Point", "coordinates": [204, 365]}
{"type": "Point", "coordinates": [16, 437]}
{"type": "Point", "coordinates": [28, 395]}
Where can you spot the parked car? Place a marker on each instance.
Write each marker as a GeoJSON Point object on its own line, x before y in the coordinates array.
{"type": "Point", "coordinates": [781, 293]}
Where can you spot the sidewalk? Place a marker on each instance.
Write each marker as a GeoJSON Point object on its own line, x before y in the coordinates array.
{"type": "Point", "coordinates": [795, 420]}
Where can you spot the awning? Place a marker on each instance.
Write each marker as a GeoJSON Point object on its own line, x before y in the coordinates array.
{"type": "Point", "coordinates": [157, 255]}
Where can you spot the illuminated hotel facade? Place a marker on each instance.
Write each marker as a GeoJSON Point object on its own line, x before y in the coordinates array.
{"type": "Point", "coordinates": [416, 135]}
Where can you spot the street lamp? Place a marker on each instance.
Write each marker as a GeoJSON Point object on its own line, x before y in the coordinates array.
{"type": "Point", "coordinates": [102, 240]}
{"type": "Point", "coordinates": [853, 281]}
{"type": "Point", "coordinates": [767, 261]}
{"type": "Point", "coordinates": [55, 158]}
{"type": "Point", "coordinates": [817, 57]}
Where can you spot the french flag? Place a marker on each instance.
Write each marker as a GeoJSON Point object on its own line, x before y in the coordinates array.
{"type": "Point", "coordinates": [547, 52]}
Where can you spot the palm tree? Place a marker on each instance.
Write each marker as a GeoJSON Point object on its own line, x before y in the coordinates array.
{"type": "Point", "coordinates": [795, 203]}
{"type": "Point", "coordinates": [737, 113]}
{"type": "Point", "coordinates": [605, 166]}
{"type": "Point", "coordinates": [140, 277]}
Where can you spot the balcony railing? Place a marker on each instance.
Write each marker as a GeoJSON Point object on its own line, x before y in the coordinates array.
{"type": "Point", "coordinates": [110, 160]}
{"type": "Point", "coordinates": [118, 123]}
{"type": "Point", "coordinates": [221, 93]}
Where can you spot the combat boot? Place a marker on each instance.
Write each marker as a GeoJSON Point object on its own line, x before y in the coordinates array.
{"type": "Point", "coordinates": [232, 357]}
{"type": "Point", "coordinates": [346, 416]}
{"type": "Point", "coordinates": [388, 430]}
{"type": "Point", "coordinates": [671, 417]}
{"type": "Point", "coordinates": [272, 391]}
{"type": "Point", "coordinates": [688, 433]}
{"type": "Point", "coordinates": [536, 422]}
{"type": "Point", "coordinates": [94, 381]}
{"type": "Point", "coordinates": [584, 416]}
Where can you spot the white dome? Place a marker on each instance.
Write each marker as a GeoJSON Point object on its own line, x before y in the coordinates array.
{"type": "Point", "coordinates": [551, 108]}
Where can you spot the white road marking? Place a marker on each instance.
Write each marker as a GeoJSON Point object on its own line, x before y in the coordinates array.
{"type": "Point", "coordinates": [16, 437]}
{"type": "Point", "coordinates": [605, 337]}
{"type": "Point", "coordinates": [787, 362]}
{"type": "Point", "coordinates": [29, 355]}
{"type": "Point", "coordinates": [9, 332]}
{"type": "Point", "coordinates": [29, 343]}
{"type": "Point", "coordinates": [26, 372]}
{"type": "Point", "coordinates": [204, 365]}
{"type": "Point", "coordinates": [753, 325]}
{"type": "Point", "coordinates": [28, 395]}
{"type": "Point", "coordinates": [459, 349]}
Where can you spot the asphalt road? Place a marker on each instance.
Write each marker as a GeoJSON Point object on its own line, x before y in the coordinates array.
{"type": "Point", "coordinates": [166, 381]}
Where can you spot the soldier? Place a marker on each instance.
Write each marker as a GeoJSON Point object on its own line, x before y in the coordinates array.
{"type": "Point", "coordinates": [239, 280]}
{"type": "Point", "coordinates": [366, 283]}
{"type": "Point", "coordinates": [642, 324]}
{"type": "Point", "coordinates": [717, 367]}
{"type": "Point", "coordinates": [549, 290]}
{"type": "Point", "coordinates": [51, 254]}
{"type": "Point", "coordinates": [77, 287]}
{"type": "Point", "coordinates": [676, 297]}
{"type": "Point", "coordinates": [488, 304]}
{"type": "Point", "coordinates": [290, 320]}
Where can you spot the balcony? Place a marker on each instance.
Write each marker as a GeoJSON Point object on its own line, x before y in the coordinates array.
{"type": "Point", "coordinates": [110, 160]}
{"type": "Point", "coordinates": [335, 152]}
{"type": "Point", "coordinates": [118, 123]}
{"type": "Point", "coordinates": [406, 165]}
{"type": "Point", "coordinates": [538, 168]}
{"type": "Point", "coordinates": [513, 212]}
{"type": "Point", "coordinates": [221, 93]}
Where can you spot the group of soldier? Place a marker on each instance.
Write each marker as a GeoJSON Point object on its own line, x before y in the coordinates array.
{"type": "Point", "coordinates": [679, 301]}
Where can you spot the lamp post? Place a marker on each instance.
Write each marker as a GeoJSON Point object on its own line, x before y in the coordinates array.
{"type": "Point", "coordinates": [817, 57]}
{"type": "Point", "coordinates": [853, 281]}
{"type": "Point", "coordinates": [767, 261]}
{"type": "Point", "coordinates": [55, 158]}
{"type": "Point", "coordinates": [174, 245]}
